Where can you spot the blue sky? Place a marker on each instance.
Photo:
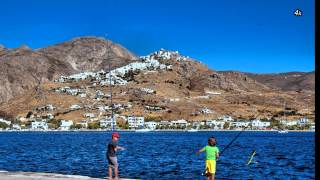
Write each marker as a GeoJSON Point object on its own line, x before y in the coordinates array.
{"type": "Point", "coordinates": [252, 36]}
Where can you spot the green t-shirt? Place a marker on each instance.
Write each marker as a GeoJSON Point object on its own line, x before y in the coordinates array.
{"type": "Point", "coordinates": [211, 152]}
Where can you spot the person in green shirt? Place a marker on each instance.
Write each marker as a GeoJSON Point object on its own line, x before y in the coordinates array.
{"type": "Point", "coordinates": [212, 154]}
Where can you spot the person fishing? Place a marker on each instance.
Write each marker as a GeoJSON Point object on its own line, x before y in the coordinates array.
{"type": "Point", "coordinates": [212, 154]}
{"type": "Point", "coordinates": [112, 148]}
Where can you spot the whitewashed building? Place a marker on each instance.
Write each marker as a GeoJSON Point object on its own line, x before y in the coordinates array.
{"type": "Point", "coordinates": [215, 123]}
{"type": "Point", "coordinates": [107, 122]}
{"type": "Point", "coordinates": [135, 121]}
{"type": "Point", "coordinates": [258, 124]}
{"type": "Point", "coordinates": [206, 111]}
{"type": "Point", "coordinates": [180, 122]}
{"type": "Point", "coordinates": [198, 123]}
{"type": "Point", "coordinates": [35, 125]}
{"type": "Point", "coordinates": [226, 118]}
{"type": "Point", "coordinates": [89, 115]}
{"type": "Point", "coordinates": [65, 124]}
{"type": "Point", "coordinates": [147, 90]}
{"type": "Point", "coordinates": [303, 121]}
{"type": "Point", "coordinates": [164, 123]}
{"type": "Point", "coordinates": [289, 123]}
{"type": "Point", "coordinates": [16, 127]}
{"type": "Point", "coordinates": [75, 107]}
{"type": "Point", "coordinates": [5, 121]}
{"type": "Point", "coordinates": [50, 116]}
{"type": "Point", "coordinates": [83, 123]}
{"type": "Point", "coordinates": [151, 125]}
{"type": "Point", "coordinates": [240, 124]}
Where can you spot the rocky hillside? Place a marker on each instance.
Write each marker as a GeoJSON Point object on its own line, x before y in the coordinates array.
{"type": "Point", "coordinates": [291, 81]}
{"type": "Point", "coordinates": [163, 85]}
{"type": "Point", "coordinates": [23, 69]}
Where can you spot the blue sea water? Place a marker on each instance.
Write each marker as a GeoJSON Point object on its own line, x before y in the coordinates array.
{"type": "Point", "coordinates": [161, 155]}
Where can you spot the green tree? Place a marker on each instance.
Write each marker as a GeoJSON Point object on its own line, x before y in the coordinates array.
{"type": "Point", "coordinates": [54, 123]}
{"type": "Point", "coordinates": [76, 126]}
{"type": "Point", "coordinates": [226, 125]}
{"type": "Point", "coordinates": [274, 123]}
{"type": "Point", "coordinates": [3, 125]}
{"type": "Point", "coordinates": [93, 125]}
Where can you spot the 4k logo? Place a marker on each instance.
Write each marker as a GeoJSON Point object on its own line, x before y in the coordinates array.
{"type": "Point", "coordinates": [298, 12]}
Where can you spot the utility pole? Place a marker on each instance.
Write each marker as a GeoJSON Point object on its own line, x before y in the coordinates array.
{"type": "Point", "coordinates": [110, 81]}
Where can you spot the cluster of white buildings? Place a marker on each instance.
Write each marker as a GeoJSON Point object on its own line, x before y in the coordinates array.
{"type": "Point", "coordinates": [149, 63]}
{"type": "Point", "coordinates": [299, 122]}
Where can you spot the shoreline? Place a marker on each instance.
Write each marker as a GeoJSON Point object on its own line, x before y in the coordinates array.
{"type": "Point", "coordinates": [157, 130]}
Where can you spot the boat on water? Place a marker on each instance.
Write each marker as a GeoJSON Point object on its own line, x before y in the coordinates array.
{"type": "Point", "coordinates": [143, 130]}
{"type": "Point", "coordinates": [192, 130]}
{"type": "Point", "coordinates": [283, 131]}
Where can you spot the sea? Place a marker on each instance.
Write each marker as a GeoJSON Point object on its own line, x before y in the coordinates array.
{"type": "Point", "coordinates": [161, 155]}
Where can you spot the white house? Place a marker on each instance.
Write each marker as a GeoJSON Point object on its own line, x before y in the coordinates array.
{"type": "Point", "coordinates": [89, 115]}
{"type": "Point", "coordinates": [39, 125]}
{"type": "Point", "coordinates": [289, 123]}
{"type": "Point", "coordinates": [216, 124]}
{"type": "Point", "coordinates": [180, 122]}
{"type": "Point", "coordinates": [107, 122]}
{"type": "Point", "coordinates": [83, 123]}
{"type": "Point", "coordinates": [206, 111]}
{"type": "Point", "coordinates": [75, 107]}
{"type": "Point", "coordinates": [164, 123]}
{"type": "Point", "coordinates": [135, 121]}
{"type": "Point", "coordinates": [258, 124]}
{"type": "Point", "coordinates": [16, 126]}
{"type": "Point", "coordinates": [65, 124]}
{"type": "Point", "coordinates": [147, 90]}
{"type": "Point", "coordinates": [226, 118]}
{"type": "Point", "coordinates": [240, 124]}
{"type": "Point", "coordinates": [198, 123]}
{"type": "Point", "coordinates": [213, 93]}
{"type": "Point", "coordinates": [5, 121]}
{"type": "Point", "coordinates": [312, 126]}
{"type": "Point", "coordinates": [303, 121]}
{"type": "Point", "coordinates": [151, 125]}
{"type": "Point", "coordinates": [153, 108]}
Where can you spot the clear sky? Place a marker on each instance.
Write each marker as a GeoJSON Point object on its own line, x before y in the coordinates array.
{"type": "Point", "coordinates": [261, 36]}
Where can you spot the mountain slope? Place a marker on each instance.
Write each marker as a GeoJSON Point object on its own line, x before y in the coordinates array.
{"type": "Point", "coordinates": [23, 69]}
{"type": "Point", "coordinates": [291, 81]}
{"type": "Point", "coordinates": [163, 86]}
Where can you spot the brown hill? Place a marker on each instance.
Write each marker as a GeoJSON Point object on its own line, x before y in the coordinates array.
{"type": "Point", "coordinates": [89, 53]}
{"type": "Point", "coordinates": [188, 89]}
{"type": "Point", "coordinates": [291, 81]}
{"type": "Point", "coordinates": [23, 69]}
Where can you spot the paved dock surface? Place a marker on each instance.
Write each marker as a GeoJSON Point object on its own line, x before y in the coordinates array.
{"type": "Point", "coordinates": [4, 175]}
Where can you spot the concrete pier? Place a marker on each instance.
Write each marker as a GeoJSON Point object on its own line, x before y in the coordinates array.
{"type": "Point", "coordinates": [4, 175]}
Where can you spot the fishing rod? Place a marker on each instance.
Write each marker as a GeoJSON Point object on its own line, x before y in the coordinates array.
{"type": "Point", "coordinates": [243, 129]}
{"type": "Point", "coordinates": [231, 142]}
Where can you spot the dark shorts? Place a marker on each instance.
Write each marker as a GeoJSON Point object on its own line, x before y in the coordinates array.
{"type": "Point", "coordinates": [112, 161]}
